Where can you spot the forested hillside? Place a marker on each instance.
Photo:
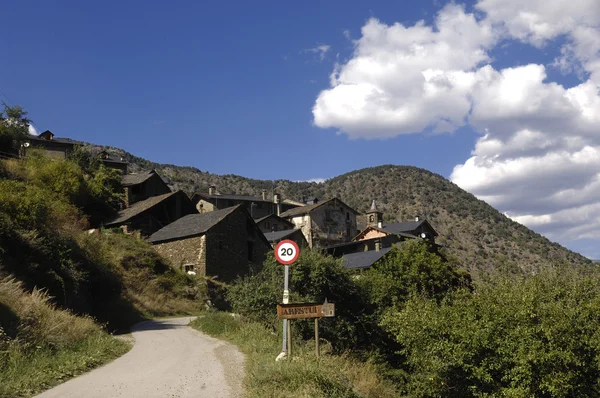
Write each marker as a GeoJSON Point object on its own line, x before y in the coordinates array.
{"type": "Point", "coordinates": [477, 234]}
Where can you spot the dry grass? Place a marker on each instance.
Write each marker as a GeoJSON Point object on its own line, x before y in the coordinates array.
{"type": "Point", "coordinates": [305, 375]}
{"type": "Point", "coordinates": [32, 320]}
{"type": "Point", "coordinates": [41, 346]}
{"type": "Point", "coordinates": [151, 285]}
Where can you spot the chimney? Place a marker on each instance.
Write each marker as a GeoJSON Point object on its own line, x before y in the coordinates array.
{"type": "Point", "coordinates": [377, 246]}
{"type": "Point", "coordinates": [264, 194]}
{"type": "Point", "coordinates": [416, 218]}
{"type": "Point", "coordinates": [379, 224]}
{"type": "Point", "coordinates": [277, 201]}
{"type": "Point", "coordinates": [212, 190]}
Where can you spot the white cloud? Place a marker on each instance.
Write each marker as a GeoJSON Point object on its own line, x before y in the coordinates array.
{"type": "Point", "coordinates": [538, 159]}
{"type": "Point", "coordinates": [539, 21]}
{"type": "Point", "coordinates": [32, 130]}
{"type": "Point", "coordinates": [405, 79]}
{"type": "Point", "coordinates": [317, 180]}
{"type": "Point", "coordinates": [320, 50]}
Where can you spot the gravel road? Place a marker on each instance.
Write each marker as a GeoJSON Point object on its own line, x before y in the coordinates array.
{"type": "Point", "coordinates": [169, 359]}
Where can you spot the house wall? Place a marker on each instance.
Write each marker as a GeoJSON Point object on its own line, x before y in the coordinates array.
{"type": "Point", "coordinates": [273, 224]}
{"type": "Point", "coordinates": [303, 223]}
{"type": "Point", "coordinates": [185, 251]}
{"type": "Point", "coordinates": [204, 206]}
{"type": "Point", "coordinates": [52, 150]}
{"type": "Point", "coordinates": [228, 245]}
{"type": "Point", "coordinates": [332, 223]}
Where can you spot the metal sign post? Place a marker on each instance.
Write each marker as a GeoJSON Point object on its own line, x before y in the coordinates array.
{"type": "Point", "coordinates": [286, 252]}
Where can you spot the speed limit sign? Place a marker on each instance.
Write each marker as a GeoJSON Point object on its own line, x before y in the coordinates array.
{"type": "Point", "coordinates": [287, 251]}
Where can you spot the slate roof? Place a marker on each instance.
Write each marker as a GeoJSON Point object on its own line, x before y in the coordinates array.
{"type": "Point", "coordinates": [190, 225]}
{"type": "Point", "coordinates": [138, 208]}
{"type": "Point", "coordinates": [277, 235]}
{"type": "Point", "coordinates": [233, 197]}
{"type": "Point", "coordinates": [259, 220]}
{"type": "Point", "coordinates": [363, 259]}
{"type": "Point", "coordinates": [298, 211]}
{"type": "Point", "coordinates": [408, 226]}
{"type": "Point", "coordinates": [292, 202]}
{"type": "Point", "coordinates": [55, 139]}
{"type": "Point", "coordinates": [135, 179]}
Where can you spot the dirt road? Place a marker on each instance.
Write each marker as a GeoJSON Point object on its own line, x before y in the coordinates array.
{"type": "Point", "coordinates": [169, 359]}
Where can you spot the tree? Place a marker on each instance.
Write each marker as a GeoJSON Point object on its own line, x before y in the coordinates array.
{"type": "Point", "coordinates": [411, 269]}
{"type": "Point", "coordinates": [514, 337]}
{"type": "Point", "coordinates": [14, 129]}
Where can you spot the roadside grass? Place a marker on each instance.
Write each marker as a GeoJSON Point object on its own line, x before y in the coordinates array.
{"type": "Point", "coordinates": [24, 374]}
{"type": "Point", "coordinates": [331, 376]}
{"type": "Point", "coordinates": [42, 346]}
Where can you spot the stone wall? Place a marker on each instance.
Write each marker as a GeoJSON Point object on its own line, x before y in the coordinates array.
{"type": "Point", "coordinates": [333, 223]}
{"type": "Point", "coordinates": [204, 206]}
{"type": "Point", "coordinates": [228, 244]}
{"type": "Point", "coordinates": [303, 223]}
{"type": "Point", "coordinates": [185, 251]}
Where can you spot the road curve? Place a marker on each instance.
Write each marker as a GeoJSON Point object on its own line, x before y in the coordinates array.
{"type": "Point", "coordinates": [169, 359]}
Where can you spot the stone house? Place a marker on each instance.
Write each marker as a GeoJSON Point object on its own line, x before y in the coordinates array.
{"type": "Point", "coordinates": [273, 223]}
{"type": "Point", "coordinates": [325, 223]}
{"type": "Point", "coordinates": [141, 186]}
{"type": "Point", "coordinates": [58, 148]}
{"type": "Point", "coordinates": [152, 214]}
{"type": "Point", "coordinates": [376, 228]}
{"type": "Point", "coordinates": [257, 207]}
{"type": "Point", "coordinates": [411, 229]}
{"type": "Point", "coordinates": [380, 237]}
{"type": "Point", "coordinates": [110, 161]}
{"type": "Point", "coordinates": [224, 243]}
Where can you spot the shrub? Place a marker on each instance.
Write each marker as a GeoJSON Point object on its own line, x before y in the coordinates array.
{"type": "Point", "coordinates": [313, 278]}
{"type": "Point", "coordinates": [520, 337]}
{"type": "Point", "coordinates": [412, 268]}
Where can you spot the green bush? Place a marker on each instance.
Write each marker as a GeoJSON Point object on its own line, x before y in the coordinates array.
{"type": "Point", "coordinates": [411, 269]}
{"type": "Point", "coordinates": [515, 337]}
{"type": "Point", "coordinates": [313, 278]}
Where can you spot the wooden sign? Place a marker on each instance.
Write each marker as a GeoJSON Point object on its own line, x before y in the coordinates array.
{"type": "Point", "coordinates": [305, 310]}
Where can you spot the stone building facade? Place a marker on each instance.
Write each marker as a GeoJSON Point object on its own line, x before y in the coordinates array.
{"type": "Point", "coordinates": [324, 224]}
{"type": "Point", "coordinates": [224, 243]}
{"type": "Point", "coordinates": [257, 207]}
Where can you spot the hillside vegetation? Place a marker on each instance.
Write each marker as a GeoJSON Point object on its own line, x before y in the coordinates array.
{"type": "Point", "coordinates": [478, 235]}
{"type": "Point", "coordinates": [62, 288]}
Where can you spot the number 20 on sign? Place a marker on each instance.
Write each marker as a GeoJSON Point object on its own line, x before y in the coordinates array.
{"type": "Point", "coordinates": [286, 252]}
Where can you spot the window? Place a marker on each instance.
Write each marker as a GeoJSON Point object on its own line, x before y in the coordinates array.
{"type": "Point", "coordinates": [267, 225]}
{"type": "Point", "coordinates": [275, 227]}
{"type": "Point", "coordinates": [250, 251]}
{"type": "Point", "coordinates": [348, 216]}
{"type": "Point", "coordinates": [190, 269]}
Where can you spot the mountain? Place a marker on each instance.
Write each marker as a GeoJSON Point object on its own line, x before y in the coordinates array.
{"type": "Point", "coordinates": [479, 236]}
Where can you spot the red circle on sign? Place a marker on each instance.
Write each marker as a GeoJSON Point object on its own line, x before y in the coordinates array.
{"type": "Point", "coordinates": [290, 260]}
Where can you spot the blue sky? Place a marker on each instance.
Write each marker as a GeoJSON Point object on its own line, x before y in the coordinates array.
{"type": "Point", "coordinates": [227, 87]}
{"type": "Point", "coordinates": [245, 88]}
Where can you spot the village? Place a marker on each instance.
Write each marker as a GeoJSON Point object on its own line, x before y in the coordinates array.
{"type": "Point", "coordinates": [227, 235]}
